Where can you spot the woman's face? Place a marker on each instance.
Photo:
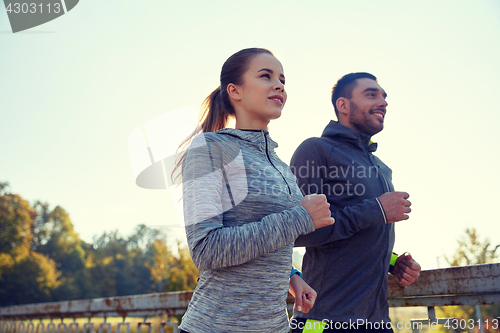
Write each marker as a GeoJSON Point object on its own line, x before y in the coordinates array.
{"type": "Point", "coordinates": [262, 95]}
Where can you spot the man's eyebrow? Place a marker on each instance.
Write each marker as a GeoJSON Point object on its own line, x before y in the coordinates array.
{"type": "Point", "coordinates": [270, 71]}
{"type": "Point", "coordinates": [376, 90]}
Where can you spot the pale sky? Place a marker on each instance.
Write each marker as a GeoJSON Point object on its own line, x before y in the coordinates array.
{"type": "Point", "coordinates": [73, 89]}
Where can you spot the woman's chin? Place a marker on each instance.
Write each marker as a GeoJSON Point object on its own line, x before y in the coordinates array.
{"type": "Point", "coordinates": [276, 115]}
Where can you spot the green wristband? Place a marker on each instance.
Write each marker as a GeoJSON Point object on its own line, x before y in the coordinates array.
{"type": "Point", "coordinates": [393, 259]}
{"type": "Point", "coordinates": [392, 263]}
{"type": "Point", "coordinates": [313, 326]}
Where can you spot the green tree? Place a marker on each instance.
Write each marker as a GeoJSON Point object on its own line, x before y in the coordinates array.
{"type": "Point", "coordinates": [471, 251]}
{"type": "Point", "coordinates": [42, 258]}
{"type": "Point", "coordinates": [121, 266]}
{"type": "Point", "coordinates": [182, 273]}
{"type": "Point", "coordinates": [16, 218]}
{"type": "Point", "coordinates": [55, 237]}
{"type": "Point", "coordinates": [158, 264]}
{"type": "Point", "coordinates": [25, 276]}
{"type": "Point", "coordinates": [32, 279]}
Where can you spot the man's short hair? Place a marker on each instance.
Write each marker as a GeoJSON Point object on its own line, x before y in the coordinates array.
{"type": "Point", "coordinates": [346, 85]}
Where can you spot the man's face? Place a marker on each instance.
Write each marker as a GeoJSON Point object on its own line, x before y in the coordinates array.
{"type": "Point", "coordinates": [367, 107]}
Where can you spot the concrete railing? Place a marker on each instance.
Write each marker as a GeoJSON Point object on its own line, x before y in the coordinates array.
{"type": "Point", "coordinates": [469, 285]}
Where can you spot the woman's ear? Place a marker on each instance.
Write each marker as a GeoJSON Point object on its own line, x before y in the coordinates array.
{"type": "Point", "coordinates": [234, 92]}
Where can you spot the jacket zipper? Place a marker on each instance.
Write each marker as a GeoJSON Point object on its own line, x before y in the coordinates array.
{"type": "Point", "coordinates": [381, 173]}
{"type": "Point", "coordinates": [385, 180]}
{"type": "Point", "coordinates": [269, 159]}
{"type": "Point", "coordinates": [388, 190]}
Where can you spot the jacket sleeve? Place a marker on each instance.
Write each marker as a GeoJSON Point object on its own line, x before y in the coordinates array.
{"type": "Point", "coordinates": [348, 220]}
{"type": "Point", "coordinates": [214, 245]}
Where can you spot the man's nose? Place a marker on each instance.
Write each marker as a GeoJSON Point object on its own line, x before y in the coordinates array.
{"type": "Point", "coordinates": [383, 102]}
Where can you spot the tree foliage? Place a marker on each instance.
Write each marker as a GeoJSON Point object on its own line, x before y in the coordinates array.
{"type": "Point", "coordinates": [24, 274]}
{"type": "Point", "coordinates": [42, 258]}
{"type": "Point", "coordinates": [17, 218]}
{"type": "Point", "coordinates": [32, 279]}
{"type": "Point", "coordinates": [472, 251]}
{"type": "Point", "coordinates": [182, 274]}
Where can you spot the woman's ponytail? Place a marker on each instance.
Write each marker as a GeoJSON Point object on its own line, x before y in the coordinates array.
{"type": "Point", "coordinates": [214, 114]}
{"type": "Point", "coordinates": [213, 117]}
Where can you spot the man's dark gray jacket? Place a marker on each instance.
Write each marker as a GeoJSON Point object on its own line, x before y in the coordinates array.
{"type": "Point", "coordinates": [346, 263]}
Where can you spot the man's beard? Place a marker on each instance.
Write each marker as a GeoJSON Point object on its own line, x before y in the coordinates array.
{"type": "Point", "coordinates": [362, 122]}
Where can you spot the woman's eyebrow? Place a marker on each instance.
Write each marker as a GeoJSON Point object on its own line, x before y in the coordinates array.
{"type": "Point", "coordinates": [270, 71]}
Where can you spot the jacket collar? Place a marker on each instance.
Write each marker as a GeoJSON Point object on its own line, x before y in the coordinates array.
{"type": "Point", "coordinates": [355, 138]}
{"type": "Point", "coordinates": [257, 137]}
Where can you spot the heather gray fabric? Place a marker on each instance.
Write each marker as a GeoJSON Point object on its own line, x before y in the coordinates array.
{"type": "Point", "coordinates": [242, 216]}
{"type": "Point", "coordinates": [346, 263]}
